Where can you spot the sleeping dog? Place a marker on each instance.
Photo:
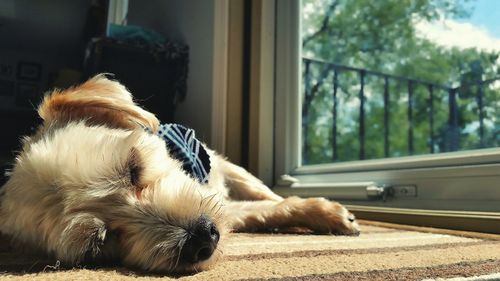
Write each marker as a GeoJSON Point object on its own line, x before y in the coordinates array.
{"type": "Point", "coordinates": [102, 180]}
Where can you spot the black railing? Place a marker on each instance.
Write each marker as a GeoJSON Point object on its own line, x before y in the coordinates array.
{"type": "Point", "coordinates": [449, 133]}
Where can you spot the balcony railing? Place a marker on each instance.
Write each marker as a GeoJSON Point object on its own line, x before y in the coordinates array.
{"type": "Point", "coordinates": [431, 98]}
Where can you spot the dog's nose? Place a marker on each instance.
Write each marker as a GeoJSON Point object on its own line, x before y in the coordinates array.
{"type": "Point", "coordinates": [202, 241]}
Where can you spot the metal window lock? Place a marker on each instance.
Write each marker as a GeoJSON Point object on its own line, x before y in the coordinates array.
{"type": "Point", "coordinates": [375, 192]}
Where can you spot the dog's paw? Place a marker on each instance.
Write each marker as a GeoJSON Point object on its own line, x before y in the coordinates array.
{"type": "Point", "coordinates": [95, 241]}
{"type": "Point", "coordinates": [329, 217]}
{"type": "Point", "coordinates": [82, 240]}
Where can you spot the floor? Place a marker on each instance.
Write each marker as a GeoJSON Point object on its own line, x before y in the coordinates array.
{"type": "Point", "coordinates": [379, 253]}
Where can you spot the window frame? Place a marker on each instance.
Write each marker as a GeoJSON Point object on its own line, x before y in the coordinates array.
{"type": "Point", "coordinates": [452, 174]}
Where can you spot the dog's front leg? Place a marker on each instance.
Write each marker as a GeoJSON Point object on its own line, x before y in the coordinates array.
{"type": "Point", "coordinates": [81, 240]}
{"type": "Point", "coordinates": [317, 214]}
{"type": "Point", "coordinates": [244, 186]}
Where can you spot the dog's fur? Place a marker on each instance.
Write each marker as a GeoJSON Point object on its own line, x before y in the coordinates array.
{"type": "Point", "coordinates": [92, 184]}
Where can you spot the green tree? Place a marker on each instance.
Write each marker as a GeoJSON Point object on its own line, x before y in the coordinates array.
{"type": "Point", "coordinates": [381, 36]}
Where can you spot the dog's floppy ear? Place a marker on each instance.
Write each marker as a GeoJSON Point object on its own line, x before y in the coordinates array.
{"type": "Point", "coordinates": [98, 101]}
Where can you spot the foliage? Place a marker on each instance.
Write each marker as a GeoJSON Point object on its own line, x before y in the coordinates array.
{"type": "Point", "coordinates": [380, 36]}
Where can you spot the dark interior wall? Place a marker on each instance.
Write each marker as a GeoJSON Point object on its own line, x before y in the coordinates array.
{"type": "Point", "coordinates": [44, 36]}
{"type": "Point", "coordinates": [45, 27]}
{"type": "Point", "coordinates": [43, 24]}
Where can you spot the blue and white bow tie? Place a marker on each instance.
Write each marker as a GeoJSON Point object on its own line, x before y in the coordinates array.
{"type": "Point", "coordinates": [183, 146]}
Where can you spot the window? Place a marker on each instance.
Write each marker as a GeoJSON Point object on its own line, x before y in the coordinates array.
{"type": "Point", "coordinates": [391, 107]}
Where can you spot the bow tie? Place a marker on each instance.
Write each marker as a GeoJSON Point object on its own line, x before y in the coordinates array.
{"type": "Point", "coordinates": [183, 146]}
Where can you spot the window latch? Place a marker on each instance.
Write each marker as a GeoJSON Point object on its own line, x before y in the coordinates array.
{"type": "Point", "coordinates": [375, 192]}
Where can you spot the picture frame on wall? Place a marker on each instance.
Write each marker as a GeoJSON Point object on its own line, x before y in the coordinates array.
{"type": "Point", "coordinates": [29, 71]}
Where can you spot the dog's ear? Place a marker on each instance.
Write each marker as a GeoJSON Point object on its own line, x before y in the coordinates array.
{"type": "Point", "coordinates": [99, 101]}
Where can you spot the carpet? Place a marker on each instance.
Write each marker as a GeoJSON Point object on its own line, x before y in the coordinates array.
{"type": "Point", "coordinates": [381, 252]}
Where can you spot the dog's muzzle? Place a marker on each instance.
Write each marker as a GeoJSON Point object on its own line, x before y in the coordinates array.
{"type": "Point", "coordinates": [202, 241]}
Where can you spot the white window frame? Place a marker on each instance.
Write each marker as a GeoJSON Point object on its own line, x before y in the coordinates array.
{"type": "Point", "coordinates": [446, 183]}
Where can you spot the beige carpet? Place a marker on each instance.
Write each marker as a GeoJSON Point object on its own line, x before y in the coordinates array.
{"type": "Point", "coordinates": [380, 253]}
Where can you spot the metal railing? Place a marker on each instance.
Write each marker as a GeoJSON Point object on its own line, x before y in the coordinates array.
{"type": "Point", "coordinates": [452, 130]}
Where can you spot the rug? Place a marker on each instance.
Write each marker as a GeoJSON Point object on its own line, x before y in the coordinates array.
{"type": "Point", "coordinates": [381, 252]}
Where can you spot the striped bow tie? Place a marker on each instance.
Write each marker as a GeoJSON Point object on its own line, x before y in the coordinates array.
{"type": "Point", "coordinates": [183, 146]}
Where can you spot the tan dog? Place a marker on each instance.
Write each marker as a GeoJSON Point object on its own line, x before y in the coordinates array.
{"type": "Point", "coordinates": [92, 184]}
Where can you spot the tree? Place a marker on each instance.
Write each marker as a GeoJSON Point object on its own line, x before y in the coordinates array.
{"type": "Point", "coordinates": [380, 36]}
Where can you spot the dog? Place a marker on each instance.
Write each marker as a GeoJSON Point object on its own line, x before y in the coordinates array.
{"type": "Point", "coordinates": [96, 183]}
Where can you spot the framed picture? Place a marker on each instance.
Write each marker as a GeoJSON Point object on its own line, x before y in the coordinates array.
{"type": "Point", "coordinates": [30, 71]}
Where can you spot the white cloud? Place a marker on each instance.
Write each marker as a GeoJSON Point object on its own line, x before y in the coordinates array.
{"type": "Point", "coordinates": [450, 33]}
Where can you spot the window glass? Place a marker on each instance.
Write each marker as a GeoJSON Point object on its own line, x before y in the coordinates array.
{"type": "Point", "coordinates": [394, 78]}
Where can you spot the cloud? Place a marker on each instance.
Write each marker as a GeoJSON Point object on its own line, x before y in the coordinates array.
{"type": "Point", "coordinates": [451, 33]}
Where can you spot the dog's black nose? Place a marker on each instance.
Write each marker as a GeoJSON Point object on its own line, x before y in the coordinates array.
{"type": "Point", "coordinates": [202, 241]}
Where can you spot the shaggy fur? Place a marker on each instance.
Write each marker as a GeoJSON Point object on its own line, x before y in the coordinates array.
{"type": "Point", "coordinates": [93, 185]}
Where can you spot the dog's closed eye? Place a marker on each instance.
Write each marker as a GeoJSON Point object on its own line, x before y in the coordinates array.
{"type": "Point", "coordinates": [351, 218]}
{"type": "Point", "coordinates": [134, 167]}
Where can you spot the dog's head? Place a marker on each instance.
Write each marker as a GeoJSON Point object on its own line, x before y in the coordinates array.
{"type": "Point", "coordinates": [157, 217]}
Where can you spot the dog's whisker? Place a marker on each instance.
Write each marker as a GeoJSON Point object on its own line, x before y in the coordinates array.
{"type": "Point", "coordinates": [218, 212]}
{"type": "Point", "coordinates": [211, 198]}
{"type": "Point", "coordinates": [216, 205]}
{"type": "Point", "coordinates": [200, 205]}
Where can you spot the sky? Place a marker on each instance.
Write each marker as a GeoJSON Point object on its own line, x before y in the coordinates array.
{"type": "Point", "coordinates": [481, 30]}
{"type": "Point", "coordinates": [487, 14]}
